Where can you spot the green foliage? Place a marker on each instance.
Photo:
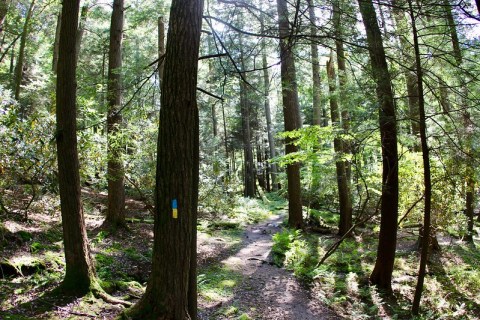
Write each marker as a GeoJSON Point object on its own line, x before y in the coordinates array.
{"type": "Point", "coordinates": [215, 283]}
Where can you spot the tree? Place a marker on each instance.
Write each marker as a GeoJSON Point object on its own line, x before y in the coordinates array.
{"type": "Point", "coordinates": [79, 273]}
{"type": "Point", "coordinates": [116, 174]}
{"type": "Point", "coordinates": [291, 114]}
{"type": "Point", "coordinates": [382, 272]}
{"type": "Point", "coordinates": [21, 52]}
{"type": "Point", "coordinates": [426, 165]}
{"type": "Point", "coordinates": [343, 165]}
{"type": "Point", "coordinates": [171, 289]}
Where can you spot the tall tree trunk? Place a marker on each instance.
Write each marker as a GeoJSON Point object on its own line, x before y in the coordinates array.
{"type": "Point", "coordinates": [317, 85]}
{"type": "Point", "coordinates": [426, 166]}
{"type": "Point", "coordinates": [211, 82]}
{"type": "Point", "coordinates": [21, 51]}
{"type": "Point", "coordinates": [245, 106]}
{"type": "Point", "coordinates": [410, 77]}
{"type": "Point", "coordinates": [171, 288]}
{"type": "Point", "coordinates": [345, 214]}
{"type": "Point", "coordinates": [467, 123]}
{"type": "Point", "coordinates": [4, 4]}
{"type": "Point", "coordinates": [79, 273]}
{"type": "Point", "coordinates": [116, 174]}
{"type": "Point", "coordinates": [343, 192]}
{"type": "Point", "coordinates": [56, 43]}
{"type": "Point", "coordinates": [382, 272]}
{"type": "Point", "coordinates": [81, 29]}
{"type": "Point", "coordinates": [291, 113]}
{"type": "Point", "coordinates": [272, 167]}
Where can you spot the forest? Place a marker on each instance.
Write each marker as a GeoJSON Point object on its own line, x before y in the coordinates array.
{"type": "Point", "coordinates": [239, 159]}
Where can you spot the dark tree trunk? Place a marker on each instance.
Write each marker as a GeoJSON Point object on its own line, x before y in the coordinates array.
{"type": "Point", "coordinates": [4, 4]}
{"type": "Point", "coordinates": [467, 123]}
{"type": "Point", "coordinates": [426, 167]}
{"type": "Point", "coordinates": [291, 113]}
{"type": "Point", "coordinates": [345, 214]}
{"type": "Point", "coordinates": [382, 272]}
{"type": "Point", "coordinates": [343, 192]}
{"type": "Point", "coordinates": [410, 77]}
{"type": "Point", "coordinates": [79, 268]}
{"type": "Point", "coordinates": [171, 288]}
{"type": "Point", "coordinates": [21, 51]}
{"type": "Point", "coordinates": [271, 167]}
{"type": "Point", "coordinates": [116, 174]}
{"type": "Point", "coordinates": [56, 43]}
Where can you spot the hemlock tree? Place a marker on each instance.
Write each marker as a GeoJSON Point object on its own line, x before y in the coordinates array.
{"type": "Point", "coordinates": [80, 273]}
{"type": "Point", "coordinates": [382, 272]}
{"type": "Point", "coordinates": [116, 174]}
{"type": "Point", "coordinates": [171, 290]}
{"type": "Point", "coordinates": [291, 114]}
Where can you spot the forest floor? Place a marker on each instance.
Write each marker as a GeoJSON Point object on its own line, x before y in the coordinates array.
{"type": "Point", "coordinates": [240, 258]}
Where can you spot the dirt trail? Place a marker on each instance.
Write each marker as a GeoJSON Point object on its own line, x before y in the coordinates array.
{"type": "Point", "coordinates": [266, 291]}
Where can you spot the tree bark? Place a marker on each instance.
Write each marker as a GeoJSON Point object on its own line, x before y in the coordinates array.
{"type": "Point", "coordinates": [116, 174]}
{"type": "Point", "coordinates": [56, 43]}
{"type": "Point", "coordinates": [4, 4]}
{"type": "Point", "coordinates": [467, 123]}
{"type": "Point", "coordinates": [161, 49]}
{"type": "Point", "coordinates": [171, 288]}
{"type": "Point", "coordinates": [291, 113]}
{"type": "Point", "coordinates": [79, 268]}
{"type": "Point", "coordinates": [410, 77]}
{"type": "Point", "coordinates": [268, 116]}
{"type": "Point", "coordinates": [382, 272]}
{"type": "Point", "coordinates": [248, 165]}
{"type": "Point", "coordinates": [317, 85]}
{"type": "Point", "coordinates": [426, 166]}
{"type": "Point", "coordinates": [21, 51]}
{"type": "Point", "coordinates": [345, 223]}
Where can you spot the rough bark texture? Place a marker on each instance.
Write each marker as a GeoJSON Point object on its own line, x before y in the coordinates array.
{"type": "Point", "coordinates": [21, 51]}
{"type": "Point", "coordinates": [271, 141]}
{"type": "Point", "coordinates": [342, 183]}
{"type": "Point", "coordinates": [382, 272]}
{"type": "Point", "coordinates": [248, 165]}
{"type": "Point", "coordinates": [116, 174]}
{"type": "Point", "coordinates": [345, 223]}
{"type": "Point", "coordinates": [79, 269]}
{"type": "Point", "coordinates": [171, 289]}
{"type": "Point", "coordinates": [426, 167]}
{"type": "Point", "coordinates": [290, 113]}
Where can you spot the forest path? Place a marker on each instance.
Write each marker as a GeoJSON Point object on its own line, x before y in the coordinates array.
{"type": "Point", "coordinates": [265, 290]}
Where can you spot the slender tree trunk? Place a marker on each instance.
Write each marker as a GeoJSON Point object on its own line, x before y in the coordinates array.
{"type": "Point", "coordinates": [426, 167]}
{"type": "Point", "coordinates": [317, 85]}
{"type": "Point", "coordinates": [4, 4]}
{"type": "Point", "coordinates": [345, 214]}
{"type": "Point", "coordinates": [291, 113]}
{"type": "Point", "coordinates": [79, 268]}
{"type": "Point", "coordinates": [171, 289]}
{"type": "Point", "coordinates": [56, 43]}
{"type": "Point", "coordinates": [272, 167]}
{"type": "Point", "coordinates": [211, 86]}
{"type": "Point", "coordinates": [382, 272]}
{"type": "Point", "coordinates": [21, 52]}
{"type": "Point", "coordinates": [116, 174]}
{"type": "Point", "coordinates": [342, 184]}
{"type": "Point", "coordinates": [81, 29]}
{"type": "Point", "coordinates": [245, 106]}
{"type": "Point", "coordinates": [467, 123]}
{"type": "Point", "coordinates": [410, 77]}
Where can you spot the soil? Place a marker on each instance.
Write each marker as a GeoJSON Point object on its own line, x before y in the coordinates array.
{"type": "Point", "coordinates": [266, 291]}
